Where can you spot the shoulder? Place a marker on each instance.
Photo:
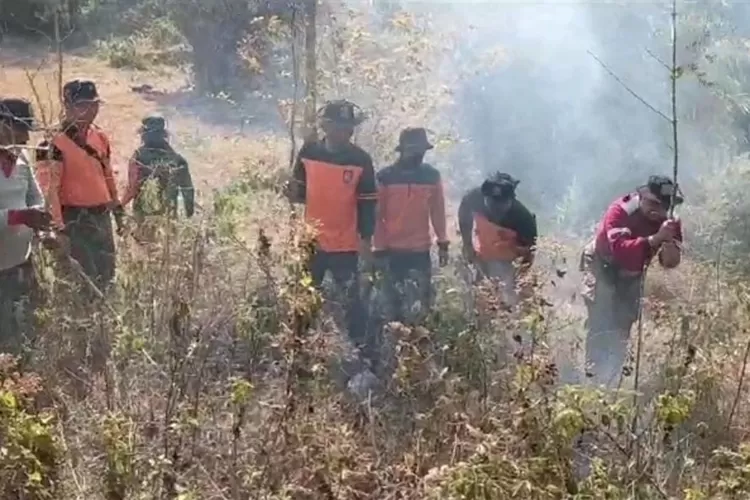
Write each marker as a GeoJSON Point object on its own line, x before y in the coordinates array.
{"type": "Point", "coordinates": [522, 211]}
{"type": "Point", "coordinates": [385, 174]}
{"type": "Point", "coordinates": [474, 195]}
{"type": "Point", "coordinates": [624, 206]}
{"type": "Point", "coordinates": [359, 156]}
{"type": "Point", "coordinates": [430, 173]}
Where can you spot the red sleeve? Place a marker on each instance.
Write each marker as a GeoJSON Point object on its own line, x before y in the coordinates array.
{"type": "Point", "coordinates": [627, 252]}
{"type": "Point", "coordinates": [16, 218]}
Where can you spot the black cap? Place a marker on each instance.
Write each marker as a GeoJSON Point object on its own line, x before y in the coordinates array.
{"type": "Point", "coordinates": [341, 112]}
{"type": "Point", "coordinates": [77, 91]}
{"type": "Point", "coordinates": [413, 140]}
{"type": "Point", "coordinates": [665, 189]}
{"type": "Point", "coordinates": [153, 124]}
{"type": "Point", "coordinates": [500, 186]}
{"type": "Point", "coordinates": [17, 111]}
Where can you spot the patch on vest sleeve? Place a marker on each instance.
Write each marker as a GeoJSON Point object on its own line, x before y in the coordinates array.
{"type": "Point", "coordinates": [630, 204]}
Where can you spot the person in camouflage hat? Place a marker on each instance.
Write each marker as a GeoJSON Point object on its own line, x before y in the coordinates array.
{"type": "Point", "coordinates": [155, 163]}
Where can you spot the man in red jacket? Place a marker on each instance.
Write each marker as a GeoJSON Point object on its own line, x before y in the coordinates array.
{"type": "Point", "coordinates": [634, 230]}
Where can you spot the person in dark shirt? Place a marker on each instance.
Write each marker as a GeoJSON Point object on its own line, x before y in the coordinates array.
{"type": "Point", "coordinates": [335, 180]}
{"type": "Point", "coordinates": [157, 162]}
{"type": "Point", "coordinates": [496, 231]}
{"type": "Point", "coordinates": [410, 198]}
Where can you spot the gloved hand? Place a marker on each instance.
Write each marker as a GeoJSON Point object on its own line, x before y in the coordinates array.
{"type": "Point", "coordinates": [34, 218]}
{"type": "Point", "coordinates": [443, 255]}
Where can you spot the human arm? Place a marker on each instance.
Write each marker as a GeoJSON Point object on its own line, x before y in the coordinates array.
{"type": "Point", "coordinates": [297, 186]}
{"type": "Point", "coordinates": [670, 254]}
{"type": "Point", "coordinates": [133, 185]}
{"type": "Point", "coordinates": [626, 250]}
{"type": "Point", "coordinates": [437, 213]}
{"type": "Point", "coordinates": [380, 238]}
{"type": "Point", "coordinates": [527, 239]}
{"type": "Point", "coordinates": [185, 183]}
{"type": "Point", "coordinates": [49, 171]}
{"type": "Point", "coordinates": [466, 218]}
{"type": "Point", "coordinates": [367, 197]}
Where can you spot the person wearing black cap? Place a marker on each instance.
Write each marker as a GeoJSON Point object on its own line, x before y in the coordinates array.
{"type": "Point", "coordinates": [335, 179]}
{"type": "Point", "coordinates": [497, 230]}
{"type": "Point", "coordinates": [635, 228]}
{"type": "Point", "coordinates": [77, 179]}
{"type": "Point", "coordinates": [21, 214]}
{"type": "Point", "coordinates": [156, 161]}
{"type": "Point", "coordinates": [410, 197]}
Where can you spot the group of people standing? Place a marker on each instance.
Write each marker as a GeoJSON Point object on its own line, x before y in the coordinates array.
{"type": "Point", "coordinates": [386, 218]}
{"type": "Point", "coordinates": [389, 220]}
{"type": "Point", "coordinates": [64, 190]}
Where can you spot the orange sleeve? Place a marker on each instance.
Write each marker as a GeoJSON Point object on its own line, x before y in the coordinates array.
{"type": "Point", "coordinates": [49, 175]}
{"type": "Point", "coordinates": [380, 238]}
{"type": "Point", "coordinates": [133, 188]}
{"type": "Point", "coordinates": [437, 212]}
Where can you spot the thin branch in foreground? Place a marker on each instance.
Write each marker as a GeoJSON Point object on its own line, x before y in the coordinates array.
{"type": "Point", "coordinates": [627, 88]}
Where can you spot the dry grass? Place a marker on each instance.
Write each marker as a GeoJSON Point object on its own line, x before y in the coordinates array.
{"type": "Point", "coordinates": [211, 370]}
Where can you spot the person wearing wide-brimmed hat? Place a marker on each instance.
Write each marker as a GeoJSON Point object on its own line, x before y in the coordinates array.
{"type": "Point", "coordinates": [335, 179]}
{"type": "Point", "coordinates": [22, 213]}
{"type": "Point", "coordinates": [410, 199]}
{"type": "Point", "coordinates": [76, 176]}
{"type": "Point", "coordinates": [157, 163]}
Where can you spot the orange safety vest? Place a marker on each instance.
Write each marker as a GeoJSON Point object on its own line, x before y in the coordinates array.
{"type": "Point", "coordinates": [332, 203]}
{"type": "Point", "coordinates": [71, 176]}
{"type": "Point", "coordinates": [493, 242]}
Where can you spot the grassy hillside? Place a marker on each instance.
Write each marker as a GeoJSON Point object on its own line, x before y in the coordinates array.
{"type": "Point", "coordinates": [200, 379]}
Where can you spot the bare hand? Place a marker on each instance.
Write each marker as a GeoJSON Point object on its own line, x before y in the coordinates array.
{"type": "Point", "coordinates": [469, 254]}
{"type": "Point", "coordinates": [443, 255]}
{"type": "Point", "coordinates": [56, 242]}
{"type": "Point", "coordinates": [667, 231]}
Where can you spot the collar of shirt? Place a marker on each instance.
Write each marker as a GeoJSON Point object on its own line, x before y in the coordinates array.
{"type": "Point", "coordinates": [7, 162]}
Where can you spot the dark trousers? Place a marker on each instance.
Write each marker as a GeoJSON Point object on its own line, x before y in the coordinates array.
{"type": "Point", "coordinates": [343, 267]}
{"type": "Point", "coordinates": [408, 285]}
{"type": "Point", "coordinates": [613, 306]}
{"type": "Point", "coordinates": [92, 242]}
{"type": "Point", "coordinates": [17, 302]}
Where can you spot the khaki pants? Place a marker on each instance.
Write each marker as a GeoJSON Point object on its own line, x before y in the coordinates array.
{"type": "Point", "coordinates": [92, 242]}
{"type": "Point", "coordinates": [613, 304]}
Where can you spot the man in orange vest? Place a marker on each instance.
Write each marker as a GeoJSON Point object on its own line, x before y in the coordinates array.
{"type": "Point", "coordinates": [497, 230]}
{"type": "Point", "coordinates": [410, 198]}
{"type": "Point", "coordinates": [335, 179]}
{"type": "Point", "coordinates": [76, 177]}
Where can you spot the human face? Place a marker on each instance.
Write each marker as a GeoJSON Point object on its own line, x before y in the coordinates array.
{"type": "Point", "coordinates": [337, 135]}
{"type": "Point", "coordinates": [652, 207]}
{"type": "Point", "coordinates": [83, 113]}
{"type": "Point", "coordinates": [497, 206]}
{"type": "Point", "coordinates": [13, 134]}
